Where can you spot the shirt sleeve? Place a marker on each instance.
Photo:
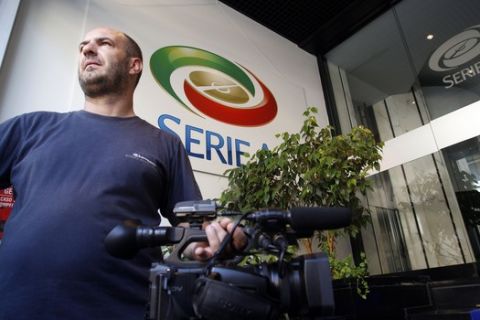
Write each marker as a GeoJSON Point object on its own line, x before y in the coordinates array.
{"type": "Point", "coordinates": [10, 136]}
{"type": "Point", "coordinates": [182, 183]}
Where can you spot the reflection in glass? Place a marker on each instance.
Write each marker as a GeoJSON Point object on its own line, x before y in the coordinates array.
{"type": "Point", "coordinates": [463, 163]}
{"type": "Point", "coordinates": [413, 220]}
{"type": "Point", "coordinates": [390, 78]}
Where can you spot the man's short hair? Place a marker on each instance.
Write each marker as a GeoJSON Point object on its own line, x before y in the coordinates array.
{"type": "Point", "coordinates": [133, 51]}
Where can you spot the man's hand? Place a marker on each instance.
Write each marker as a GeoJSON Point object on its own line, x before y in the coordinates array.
{"type": "Point", "coordinates": [216, 232]}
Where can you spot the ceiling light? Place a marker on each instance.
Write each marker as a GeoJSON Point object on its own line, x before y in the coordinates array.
{"type": "Point", "coordinates": [429, 36]}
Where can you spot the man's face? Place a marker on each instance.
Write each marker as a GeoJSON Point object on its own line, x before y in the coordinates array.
{"type": "Point", "coordinates": [103, 64]}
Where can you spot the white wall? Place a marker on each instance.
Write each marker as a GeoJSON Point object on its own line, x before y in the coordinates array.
{"type": "Point", "coordinates": [39, 70]}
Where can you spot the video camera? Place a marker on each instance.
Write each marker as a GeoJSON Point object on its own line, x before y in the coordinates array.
{"type": "Point", "coordinates": [220, 288]}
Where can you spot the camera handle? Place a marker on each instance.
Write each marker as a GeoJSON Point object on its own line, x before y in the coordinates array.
{"type": "Point", "coordinates": [190, 235]}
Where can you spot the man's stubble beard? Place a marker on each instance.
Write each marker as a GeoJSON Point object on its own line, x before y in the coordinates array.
{"type": "Point", "coordinates": [113, 81]}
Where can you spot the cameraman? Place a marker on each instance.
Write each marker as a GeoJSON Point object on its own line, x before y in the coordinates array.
{"type": "Point", "coordinates": [75, 176]}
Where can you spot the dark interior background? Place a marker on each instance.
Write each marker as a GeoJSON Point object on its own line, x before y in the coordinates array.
{"type": "Point", "coordinates": [314, 25]}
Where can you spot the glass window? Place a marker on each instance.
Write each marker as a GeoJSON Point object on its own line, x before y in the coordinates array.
{"type": "Point", "coordinates": [443, 41]}
{"type": "Point", "coordinates": [463, 163]}
{"type": "Point", "coordinates": [406, 75]}
{"type": "Point", "coordinates": [416, 221]}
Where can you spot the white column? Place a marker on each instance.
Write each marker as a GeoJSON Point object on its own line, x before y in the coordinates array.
{"type": "Point", "coordinates": [8, 12]}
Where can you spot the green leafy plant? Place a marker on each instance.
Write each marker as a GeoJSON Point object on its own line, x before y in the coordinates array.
{"type": "Point", "coordinates": [345, 269]}
{"type": "Point", "coordinates": [313, 167]}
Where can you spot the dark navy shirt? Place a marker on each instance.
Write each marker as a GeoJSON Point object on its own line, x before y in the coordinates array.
{"type": "Point", "coordinates": [75, 176]}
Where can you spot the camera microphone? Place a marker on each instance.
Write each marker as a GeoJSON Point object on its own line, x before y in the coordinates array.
{"type": "Point", "coordinates": [306, 219]}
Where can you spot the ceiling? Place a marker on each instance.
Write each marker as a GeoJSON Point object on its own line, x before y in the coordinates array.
{"type": "Point", "coordinates": [314, 25]}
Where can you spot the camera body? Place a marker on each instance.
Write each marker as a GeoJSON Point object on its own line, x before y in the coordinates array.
{"type": "Point", "coordinates": [220, 288]}
{"type": "Point", "coordinates": [258, 292]}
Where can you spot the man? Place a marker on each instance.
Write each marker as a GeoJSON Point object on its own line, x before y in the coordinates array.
{"type": "Point", "coordinates": [76, 175]}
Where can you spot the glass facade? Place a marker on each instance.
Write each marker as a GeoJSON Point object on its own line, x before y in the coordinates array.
{"type": "Point", "coordinates": [413, 77]}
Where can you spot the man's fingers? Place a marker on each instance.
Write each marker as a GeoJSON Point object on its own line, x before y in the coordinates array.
{"type": "Point", "coordinates": [202, 253]}
{"type": "Point", "coordinates": [239, 238]}
{"type": "Point", "coordinates": [225, 223]}
{"type": "Point", "coordinates": [215, 234]}
{"type": "Point", "coordinates": [197, 251]}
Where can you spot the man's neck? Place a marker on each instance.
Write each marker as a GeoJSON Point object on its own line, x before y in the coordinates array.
{"type": "Point", "coordinates": [112, 106]}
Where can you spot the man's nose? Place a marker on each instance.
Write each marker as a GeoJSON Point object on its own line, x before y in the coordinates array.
{"type": "Point", "coordinates": [89, 48]}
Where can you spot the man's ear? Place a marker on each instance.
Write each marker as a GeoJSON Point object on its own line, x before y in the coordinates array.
{"type": "Point", "coordinates": [136, 66]}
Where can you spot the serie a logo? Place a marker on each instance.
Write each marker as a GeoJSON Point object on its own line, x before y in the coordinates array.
{"type": "Point", "coordinates": [209, 85]}
{"type": "Point", "coordinates": [457, 59]}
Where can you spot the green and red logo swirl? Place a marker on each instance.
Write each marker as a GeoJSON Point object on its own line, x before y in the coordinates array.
{"type": "Point", "coordinates": [213, 85]}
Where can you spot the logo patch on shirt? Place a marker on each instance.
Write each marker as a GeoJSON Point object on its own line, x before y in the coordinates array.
{"type": "Point", "coordinates": [139, 157]}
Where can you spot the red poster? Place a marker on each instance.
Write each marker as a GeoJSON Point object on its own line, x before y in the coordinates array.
{"type": "Point", "coordinates": [6, 205]}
